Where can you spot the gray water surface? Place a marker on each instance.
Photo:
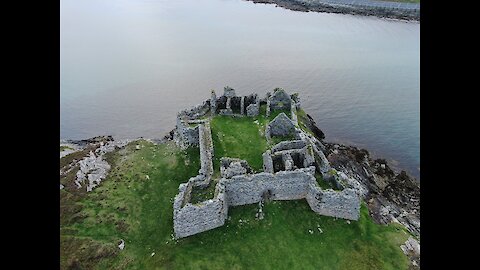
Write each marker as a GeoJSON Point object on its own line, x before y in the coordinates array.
{"type": "Point", "coordinates": [127, 68]}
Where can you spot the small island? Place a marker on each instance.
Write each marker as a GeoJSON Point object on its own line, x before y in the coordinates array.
{"type": "Point", "coordinates": [238, 177]}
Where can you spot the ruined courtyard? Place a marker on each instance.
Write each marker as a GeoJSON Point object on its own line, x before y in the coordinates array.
{"type": "Point", "coordinates": [256, 152]}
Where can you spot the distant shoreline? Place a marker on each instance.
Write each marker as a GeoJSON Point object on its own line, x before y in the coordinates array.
{"type": "Point", "coordinates": [381, 9]}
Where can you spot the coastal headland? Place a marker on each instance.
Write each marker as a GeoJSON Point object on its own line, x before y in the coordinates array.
{"type": "Point", "coordinates": [120, 198]}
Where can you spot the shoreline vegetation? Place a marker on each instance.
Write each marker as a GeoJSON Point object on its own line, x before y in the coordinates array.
{"type": "Point", "coordinates": [125, 222]}
{"type": "Point", "coordinates": [407, 10]}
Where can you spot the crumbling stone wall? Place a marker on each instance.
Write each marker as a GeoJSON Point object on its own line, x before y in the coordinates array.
{"type": "Point", "coordinates": [235, 105]}
{"type": "Point", "coordinates": [293, 113]}
{"type": "Point", "coordinates": [342, 204]}
{"type": "Point", "coordinates": [247, 189]}
{"type": "Point", "coordinates": [196, 112]}
{"type": "Point", "coordinates": [288, 167]}
{"type": "Point", "coordinates": [267, 162]}
{"type": "Point", "coordinates": [287, 145]}
{"type": "Point", "coordinates": [192, 219]}
{"type": "Point", "coordinates": [280, 126]}
{"type": "Point", "coordinates": [221, 103]}
{"type": "Point", "coordinates": [280, 100]}
{"type": "Point", "coordinates": [283, 185]}
{"type": "Point", "coordinates": [185, 135]}
{"type": "Point", "coordinates": [230, 167]}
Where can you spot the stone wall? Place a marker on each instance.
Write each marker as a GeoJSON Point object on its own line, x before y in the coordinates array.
{"type": "Point", "coordinates": [247, 189]}
{"type": "Point", "coordinates": [293, 113]}
{"type": "Point", "coordinates": [185, 135]}
{"type": "Point", "coordinates": [280, 100]}
{"type": "Point", "coordinates": [206, 150]}
{"type": "Point", "coordinates": [287, 145]}
{"type": "Point", "coordinates": [342, 204]}
{"type": "Point", "coordinates": [192, 219]}
{"type": "Point", "coordinates": [280, 126]}
{"type": "Point", "coordinates": [197, 111]}
{"type": "Point", "coordinates": [288, 174]}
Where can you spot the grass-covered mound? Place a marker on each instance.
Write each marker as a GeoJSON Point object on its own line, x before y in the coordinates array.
{"type": "Point", "coordinates": [134, 203]}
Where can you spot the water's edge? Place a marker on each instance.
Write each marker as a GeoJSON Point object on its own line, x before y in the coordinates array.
{"type": "Point", "coordinates": [354, 8]}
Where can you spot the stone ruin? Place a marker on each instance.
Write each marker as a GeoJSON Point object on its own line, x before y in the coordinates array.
{"type": "Point", "coordinates": [281, 126]}
{"type": "Point", "coordinates": [289, 167]}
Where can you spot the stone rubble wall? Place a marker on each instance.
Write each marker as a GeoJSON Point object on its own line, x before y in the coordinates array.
{"type": "Point", "coordinates": [267, 162]}
{"type": "Point", "coordinates": [184, 135]}
{"type": "Point", "coordinates": [280, 100]}
{"type": "Point", "coordinates": [304, 153]}
{"type": "Point", "coordinates": [242, 105]}
{"type": "Point", "coordinates": [253, 110]}
{"type": "Point", "coordinates": [192, 219]}
{"type": "Point", "coordinates": [293, 113]}
{"type": "Point", "coordinates": [342, 204]}
{"type": "Point", "coordinates": [287, 145]}
{"type": "Point", "coordinates": [281, 125]}
{"type": "Point", "coordinates": [197, 111]}
{"type": "Point", "coordinates": [206, 150]}
{"type": "Point", "coordinates": [230, 167]}
{"type": "Point", "coordinates": [268, 104]}
{"type": "Point", "coordinates": [248, 189]}
{"type": "Point", "coordinates": [238, 187]}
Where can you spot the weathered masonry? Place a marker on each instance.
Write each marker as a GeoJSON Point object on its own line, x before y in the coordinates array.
{"type": "Point", "coordinates": [289, 166]}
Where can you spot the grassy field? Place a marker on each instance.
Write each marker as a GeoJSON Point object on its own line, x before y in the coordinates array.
{"type": "Point", "coordinates": [131, 206]}
{"type": "Point", "coordinates": [134, 203]}
{"type": "Point", "coordinates": [65, 147]}
{"type": "Point", "coordinates": [242, 138]}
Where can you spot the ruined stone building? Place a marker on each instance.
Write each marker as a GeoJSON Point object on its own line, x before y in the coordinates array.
{"type": "Point", "coordinates": [289, 167]}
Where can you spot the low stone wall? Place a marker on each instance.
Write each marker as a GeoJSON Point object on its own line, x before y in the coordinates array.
{"type": "Point", "coordinates": [293, 160]}
{"type": "Point", "coordinates": [248, 189]}
{"type": "Point", "coordinates": [293, 113]}
{"type": "Point", "coordinates": [196, 112]}
{"type": "Point", "coordinates": [342, 204]}
{"type": "Point", "coordinates": [206, 150]}
{"type": "Point", "coordinates": [192, 219]}
{"type": "Point", "coordinates": [285, 185]}
{"type": "Point", "coordinates": [184, 135]}
{"type": "Point", "coordinates": [267, 162]}
{"type": "Point", "coordinates": [287, 145]}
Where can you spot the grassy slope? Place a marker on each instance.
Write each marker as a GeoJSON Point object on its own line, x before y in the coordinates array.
{"type": "Point", "coordinates": [129, 206]}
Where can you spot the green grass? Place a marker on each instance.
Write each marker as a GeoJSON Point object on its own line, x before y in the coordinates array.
{"type": "Point", "coordinates": [202, 194]}
{"type": "Point", "coordinates": [282, 241]}
{"type": "Point", "coordinates": [130, 206]}
{"type": "Point", "coordinates": [302, 119]}
{"type": "Point", "coordinates": [65, 147]}
{"type": "Point", "coordinates": [276, 139]}
{"type": "Point", "coordinates": [274, 114]}
{"type": "Point", "coordinates": [322, 183]}
{"type": "Point", "coordinates": [239, 138]}
{"type": "Point", "coordinates": [127, 205]}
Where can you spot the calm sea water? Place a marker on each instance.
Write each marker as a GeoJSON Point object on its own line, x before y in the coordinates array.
{"type": "Point", "coordinates": [127, 68]}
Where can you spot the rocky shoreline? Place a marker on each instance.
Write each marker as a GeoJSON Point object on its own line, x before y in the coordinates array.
{"type": "Point", "coordinates": [390, 196]}
{"type": "Point", "coordinates": [353, 9]}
